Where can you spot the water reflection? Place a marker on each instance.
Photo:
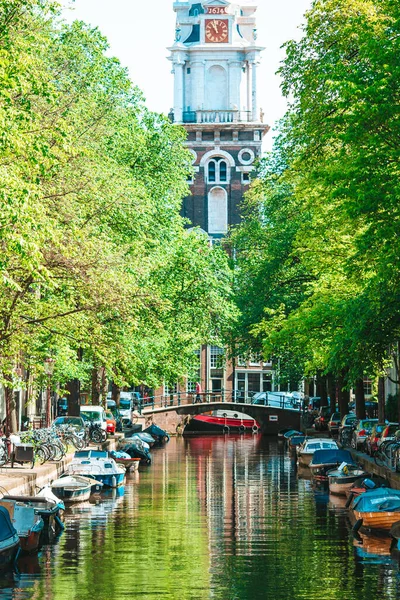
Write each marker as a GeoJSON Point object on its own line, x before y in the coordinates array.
{"type": "Point", "coordinates": [223, 518]}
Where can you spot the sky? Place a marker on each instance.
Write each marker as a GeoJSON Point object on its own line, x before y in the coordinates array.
{"type": "Point", "coordinates": [139, 33]}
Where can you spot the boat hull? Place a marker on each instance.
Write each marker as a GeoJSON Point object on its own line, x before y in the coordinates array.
{"type": "Point", "coordinates": [217, 425]}
{"type": "Point", "coordinates": [382, 521]}
{"type": "Point", "coordinates": [341, 485]}
{"type": "Point", "coordinates": [304, 459]}
{"type": "Point", "coordinates": [70, 495]}
{"type": "Point", "coordinates": [8, 551]}
{"type": "Point", "coordinates": [111, 481]}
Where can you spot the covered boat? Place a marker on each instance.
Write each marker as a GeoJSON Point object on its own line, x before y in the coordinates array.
{"type": "Point", "coordinates": [26, 520]}
{"type": "Point", "coordinates": [294, 441]}
{"type": "Point", "coordinates": [159, 435]}
{"type": "Point", "coordinates": [306, 451]}
{"type": "Point", "coordinates": [9, 540]}
{"type": "Point", "coordinates": [227, 422]}
{"type": "Point", "coordinates": [96, 464]}
{"type": "Point", "coordinates": [122, 458]}
{"type": "Point", "coordinates": [378, 508]}
{"type": "Point", "coordinates": [136, 449]}
{"type": "Point", "coordinates": [325, 460]}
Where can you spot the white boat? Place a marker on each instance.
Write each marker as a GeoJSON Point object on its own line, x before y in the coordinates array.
{"type": "Point", "coordinates": [98, 465]}
{"type": "Point", "coordinates": [342, 479]}
{"type": "Point", "coordinates": [73, 488]}
{"type": "Point", "coordinates": [306, 450]}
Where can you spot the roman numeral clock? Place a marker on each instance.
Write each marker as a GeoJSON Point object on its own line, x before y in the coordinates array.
{"type": "Point", "coordinates": [216, 31]}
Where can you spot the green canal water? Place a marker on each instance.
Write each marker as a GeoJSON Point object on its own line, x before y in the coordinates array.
{"type": "Point", "coordinates": [212, 518]}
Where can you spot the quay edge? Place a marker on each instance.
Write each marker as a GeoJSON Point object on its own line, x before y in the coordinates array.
{"type": "Point", "coordinates": [21, 481]}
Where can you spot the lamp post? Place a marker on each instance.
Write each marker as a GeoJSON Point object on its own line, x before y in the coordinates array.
{"type": "Point", "coordinates": [48, 369]}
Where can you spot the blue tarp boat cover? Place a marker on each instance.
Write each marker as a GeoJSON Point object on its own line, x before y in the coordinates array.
{"type": "Point", "coordinates": [154, 430]}
{"type": "Point", "coordinates": [6, 527]}
{"type": "Point", "coordinates": [379, 500]}
{"type": "Point", "coordinates": [297, 439]}
{"type": "Point", "coordinates": [331, 457]}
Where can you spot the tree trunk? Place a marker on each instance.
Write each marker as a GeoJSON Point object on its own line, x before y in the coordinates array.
{"type": "Point", "coordinates": [321, 389]}
{"type": "Point", "coordinates": [343, 395]}
{"type": "Point", "coordinates": [74, 396]}
{"type": "Point", "coordinates": [103, 387]}
{"type": "Point", "coordinates": [360, 398]}
{"type": "Point", "coordinates": [11, 413]}
{"type": "Point", "coordinates": [381, 400]}
{"type": "Point", "coordinates": [331, 384]}
{"type": "Point", "coordinates": [95, 386]}
{"type": "Point", "coordinates": [115, 393]}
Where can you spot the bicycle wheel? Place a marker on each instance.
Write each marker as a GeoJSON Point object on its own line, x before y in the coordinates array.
{"type": "Point", "coordinates": [3, 456]}
{"type": "Point", "coordinates": [41, 455]}
{"type": "Point", "coordinates": [96, 436]}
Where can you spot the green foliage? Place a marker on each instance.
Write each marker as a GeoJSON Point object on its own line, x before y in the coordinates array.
{"type": "Point", "coordinates": [94, 253]}
{"type": "Point", "coordinates": [337, 230]}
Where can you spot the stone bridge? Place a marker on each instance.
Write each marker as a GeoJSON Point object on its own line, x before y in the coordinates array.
{"type": "Point", "coordinates": [270, 418]}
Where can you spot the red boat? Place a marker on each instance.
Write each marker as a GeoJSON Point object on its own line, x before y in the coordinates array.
{"type": "Point", "coordinates": [221, 423]}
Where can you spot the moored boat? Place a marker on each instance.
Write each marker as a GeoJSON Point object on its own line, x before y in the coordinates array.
{"type": "Point", "coordinates": [377, 509]}
{"type": "Point", "coordinates": [326, 460]}
{"type": "Point", "coordinates": [159, 435]}
{"type": "Point", "coordinates": [72, 488]}
{"type": "Point", "coordinates": [9, 540]}
{"type": "Point", "coordinates": [97, 465]}
{"type": "Point", "coordinates": [226, 422]}
{"type": "Point", "coordinates": [306, 450]}
{"type": "Point", "coordinates": [122, 458]}
{"type": "Point", "coordinates": [342, 479]}
{"type": "Point", "coordinates": [28, 523]}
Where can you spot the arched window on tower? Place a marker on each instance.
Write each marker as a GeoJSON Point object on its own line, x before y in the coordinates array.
{"type": "Point", "coordinates": [212, 171]}
{"type": "Point", "coordinates": [217, 211]}
{"type": "Point", "coordinates": [223, 171]}
{"type": "Point", "coordinates": [217, 170]}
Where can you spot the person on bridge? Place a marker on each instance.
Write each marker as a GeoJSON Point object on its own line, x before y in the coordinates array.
{"type": "Point", "coordinates": [198, 392]}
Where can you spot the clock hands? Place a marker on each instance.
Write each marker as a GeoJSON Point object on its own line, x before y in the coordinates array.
{"type": "Point", "coordinates": [215, 26]}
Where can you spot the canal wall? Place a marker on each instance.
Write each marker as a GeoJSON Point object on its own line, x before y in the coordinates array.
{"type": "Point", "coordinates": [21, 481]}
{"type": "Point", "coordinates": [170, 421]}
{"type": "Point", "coordinates": [368, 463]}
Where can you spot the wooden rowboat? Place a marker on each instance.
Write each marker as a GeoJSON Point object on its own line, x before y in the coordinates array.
{"type": "Point", "coordinates": [377, 509]}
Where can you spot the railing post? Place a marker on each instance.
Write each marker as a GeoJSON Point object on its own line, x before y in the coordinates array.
{"type": "Point", "coordinates": [179, 398]}
{"type": "Point", "coordinates": [222, 394]}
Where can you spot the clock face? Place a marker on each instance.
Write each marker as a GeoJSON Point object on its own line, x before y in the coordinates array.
{"type": "Point", "coordinates": [217, 31]}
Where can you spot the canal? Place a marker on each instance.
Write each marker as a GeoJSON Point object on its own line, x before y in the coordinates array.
{"type": "Point", "coordinates": [222, 518]}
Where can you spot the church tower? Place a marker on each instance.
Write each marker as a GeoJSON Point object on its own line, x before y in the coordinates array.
{"type": "Point", "coordinates": [215, 58]}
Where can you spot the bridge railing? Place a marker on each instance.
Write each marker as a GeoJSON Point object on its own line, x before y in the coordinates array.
{"type": "Point", "coordinates": [274, 399]}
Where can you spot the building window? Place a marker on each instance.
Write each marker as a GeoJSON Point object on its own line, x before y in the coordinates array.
{"type": "Point", "coordinates": [255, 360]}
{"type": "Point", "coordinates": [367, 386]}
{"type": "Point", "coordinates": [245, 178]}
{"type": "Point", "coordinates": [217, 171]}
{"type": "Point", "coordinates": [216, 357]}
{"type": "Point", "coordinates": [212, 170]}
{"type": "Point", "coordinates": [188, 71]}
{"type": "Point", "coordinates": [170, 389]}
{"type": "Point", "coordinates": [267, 382]}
